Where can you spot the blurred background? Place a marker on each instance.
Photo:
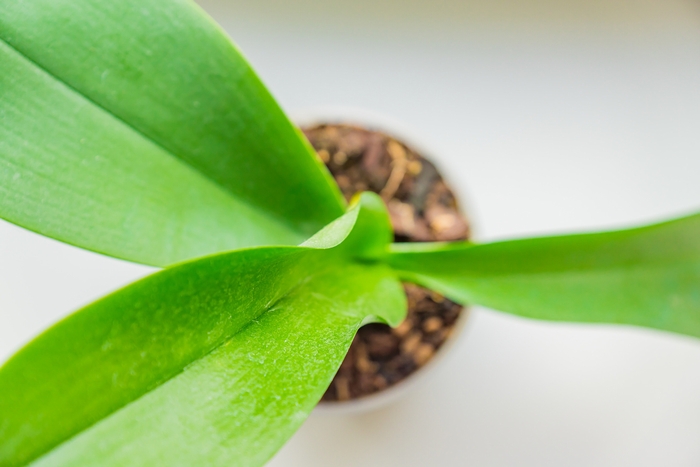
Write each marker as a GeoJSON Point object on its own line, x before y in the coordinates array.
{"type": "Point", "coordinates": [547, 117]}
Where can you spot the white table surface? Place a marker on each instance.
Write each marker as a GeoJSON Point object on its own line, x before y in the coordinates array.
{"type": "Point", "coordinates": [548, 117]}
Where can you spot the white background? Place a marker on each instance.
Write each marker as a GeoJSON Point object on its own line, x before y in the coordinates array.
{"type": "Point", "coordinates": [548, 117]}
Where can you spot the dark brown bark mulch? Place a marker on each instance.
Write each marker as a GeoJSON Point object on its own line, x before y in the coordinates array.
{"type": "Point", "coordinates": [422, 208]}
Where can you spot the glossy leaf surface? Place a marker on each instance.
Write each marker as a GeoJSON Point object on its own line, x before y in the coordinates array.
{"type": "Point", "coordinates": [213, 362]}
{"type": "Point", "coordinates": [648, 276]}
{"type": "Point", "coordinates": [136, 129]}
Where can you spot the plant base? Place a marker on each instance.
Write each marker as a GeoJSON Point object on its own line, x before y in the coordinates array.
{"type": "Point", "coordinates": [422, 208]}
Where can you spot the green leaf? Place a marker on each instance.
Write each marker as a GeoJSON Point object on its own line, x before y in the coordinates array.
{"type": "Point", "coordinates": [213, 362]}
{"type": "Point", "coordinates": [136, 129]}
{"type": "Point", "coordinates": [648, 276]}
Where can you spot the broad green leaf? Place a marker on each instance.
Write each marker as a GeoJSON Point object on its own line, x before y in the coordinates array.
{"type": "Point", "coordinates": [136, 129]}
{"type": "Point", "coordinates": [213, 362]}
{"type": "Point", "coordinates": [73, 172]}
{"type": "Point", "coordinates": [648, 276]}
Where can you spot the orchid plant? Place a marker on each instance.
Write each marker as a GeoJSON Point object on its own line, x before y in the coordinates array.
{"type": "Point", "coordinates": [136, 129]}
